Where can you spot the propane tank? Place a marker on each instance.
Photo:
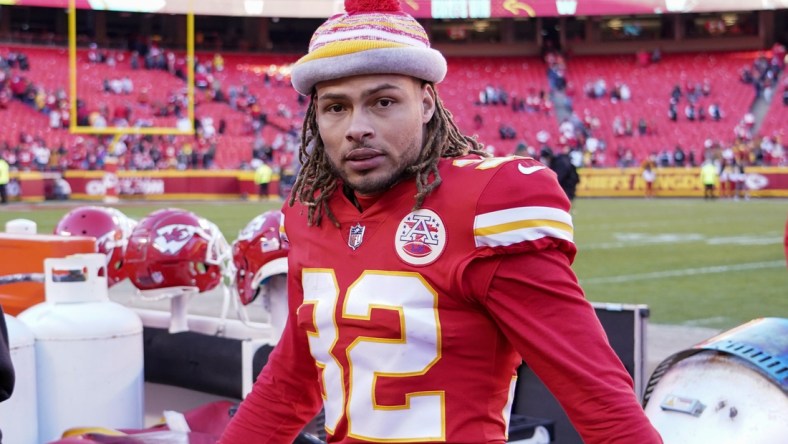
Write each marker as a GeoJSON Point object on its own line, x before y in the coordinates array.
{"type": "Point", "coordinates": [729, 389]}
{"type": "Point", "coordinates": [21, 226]}
{"type": "Point", "coordinates": [18, 414]}
{"type": "Point", "coordinates": [89, 351]}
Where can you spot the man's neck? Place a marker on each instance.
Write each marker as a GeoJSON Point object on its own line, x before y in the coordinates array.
{"type": "Point", "coordinates": [360, 201]}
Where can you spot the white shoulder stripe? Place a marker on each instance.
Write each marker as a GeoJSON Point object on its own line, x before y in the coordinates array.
{"type": "Point", "coordinates": [519, 236]}
{"type": "Point", "coordinates": [514, 225]}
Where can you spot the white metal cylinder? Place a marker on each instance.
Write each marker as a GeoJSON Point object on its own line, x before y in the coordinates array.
{"type": "Point", "coordinates": [733, 403]}
{"type": "Point", "coordinates": [18, 414]}
{"type": "Point", "coordinates": [89, 351]}
{"type": "Point", "coordinates": [21, 226]}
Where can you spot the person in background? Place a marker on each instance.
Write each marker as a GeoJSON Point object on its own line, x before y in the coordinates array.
{"type": "Point", "coordinates": [262, 177]}
{"type": "Point", "coordinates": [708, 177]}
{"type": "Point", "coordinates": [564, 170]}
{"type": "Point", "coordinates": [649, 176]}
{"type": "Point", "coordinates": [421, 270]}
{"type": "Point", "coordinates": [5, 178]}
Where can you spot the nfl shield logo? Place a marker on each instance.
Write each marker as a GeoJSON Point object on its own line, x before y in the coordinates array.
{"type": "Point", "coordinates": [356, 236]}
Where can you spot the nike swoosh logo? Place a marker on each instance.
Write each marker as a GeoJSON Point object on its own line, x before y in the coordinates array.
{"type": "Point", "coordinates": [530, 169]}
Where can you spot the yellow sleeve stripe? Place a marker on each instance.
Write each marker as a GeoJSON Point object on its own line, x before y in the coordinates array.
{"type": "Point", "coordinates": [520, 224]}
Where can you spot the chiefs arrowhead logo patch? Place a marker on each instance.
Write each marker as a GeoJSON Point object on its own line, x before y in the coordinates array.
{"type": "Point", "coordinates": [421, 238]}
{"type": "Point", "coordinates": [171, 238]}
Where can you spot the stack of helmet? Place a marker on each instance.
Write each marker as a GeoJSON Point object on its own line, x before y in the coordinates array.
{"type": "Point", "coordinates": [259, 253]}
{"type": "Point", "coordinates": [172, 247]}
{"type": "Point", "coordinates": [109, 226]}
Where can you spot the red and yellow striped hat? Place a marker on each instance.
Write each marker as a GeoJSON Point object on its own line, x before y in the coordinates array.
{"type": "Point", "coordinates": [371, 37]}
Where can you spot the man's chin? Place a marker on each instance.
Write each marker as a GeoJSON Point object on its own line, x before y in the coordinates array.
{"type": "Point", "coordinates": [368, 185]}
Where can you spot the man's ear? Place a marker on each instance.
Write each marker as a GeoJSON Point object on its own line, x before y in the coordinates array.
{"type": "Point", "coordinates": [428, 102]}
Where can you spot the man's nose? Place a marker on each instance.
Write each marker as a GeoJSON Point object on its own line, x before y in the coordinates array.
{"type": "Point", "coordinates": [360, 127]}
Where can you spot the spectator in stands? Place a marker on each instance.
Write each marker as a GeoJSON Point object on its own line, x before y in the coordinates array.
{"type": "Point", "coordinates": [678, 156]}
{"type": "Point", "coordinates": [628, 130]}
{"type": "Point", "coordinates": [672, 112]}
{"type": "Point", "coordinates": [701, 112]}
{"type": "Point", "coordinates": [18, 86]}
{"type": "Point", "coordinates": [93, 53]}
{"type": "Point", "coordinates": [487, 96]}
{"type": "Point", "coordinates": [664, 158]}
{"type": "Point", "coordinates": [715, 112]}
{"type": "Point", "coordinates": [507, 132]}
{"type": "Point", "coordinates": [600, 88]}
{"type": "Point", "coordinates": [5, 92]}
{"type": "Point", "coordinates": [207, 129]}
{"type": "Point", "coordinates": [55, 119]}
{"type": "Point", "coordinates": [624, 92]}
{"type": "Point", "coordinates": [218, 62]}
{"type": "Point", "coordinates": [746, 76]}
{"type": "Point", "coordinates": [41, 156]}
{"type": "Point", "coordinates": [676, 94]}
{"type": "Point", "coordinates": [642, 126]}
{"type": "Point", "coordinates": [689, 112]}
{"type": "Point", "coordinates": [706, 87]}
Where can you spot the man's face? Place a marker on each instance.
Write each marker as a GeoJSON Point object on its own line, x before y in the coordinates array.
{"type": "Point", "coordinates": [372, 127]}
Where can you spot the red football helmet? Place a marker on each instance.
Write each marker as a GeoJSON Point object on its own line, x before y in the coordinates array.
{"type": "Point", "coordinates": [109, 226]}
{"type": "Point", "coordinates": [259, 253]}
{"type": "Point", "coordinates": [173, 247]}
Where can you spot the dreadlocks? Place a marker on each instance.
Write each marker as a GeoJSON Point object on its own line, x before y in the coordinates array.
{"type": "Point", "coordinates": [316, 181]}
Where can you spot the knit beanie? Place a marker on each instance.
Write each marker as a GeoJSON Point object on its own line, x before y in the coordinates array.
{"type": "Point", "coordinates": [371, 37]}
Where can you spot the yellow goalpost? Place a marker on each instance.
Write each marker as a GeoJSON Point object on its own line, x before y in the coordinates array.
{"type": "Point", "coordinates": [75, 128]}
{"type": "Point", "coordinates": [110, 169]}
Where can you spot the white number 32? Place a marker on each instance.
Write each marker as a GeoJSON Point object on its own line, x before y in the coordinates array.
{"type": "Point", "coordinates": [422, 416]}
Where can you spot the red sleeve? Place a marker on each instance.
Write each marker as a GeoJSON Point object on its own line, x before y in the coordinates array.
{"type": "Point", "coordinates": [540, 307]}
{"type": "Point", "coordinates": [285, 397]}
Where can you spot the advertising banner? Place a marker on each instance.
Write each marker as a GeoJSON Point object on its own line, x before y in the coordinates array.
{"type": "Point", "coordinates": [676, 182]}
{"type": "Point", "coordinates": [164, 185]}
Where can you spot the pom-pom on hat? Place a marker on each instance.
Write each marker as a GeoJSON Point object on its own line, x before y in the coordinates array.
{"type": "Point", "coordinates": [371, 37]}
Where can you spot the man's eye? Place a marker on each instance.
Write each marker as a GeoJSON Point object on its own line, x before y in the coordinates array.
{"type": "Point", "coordinates": [335, 108]}
{"type": "Point", "coordinates": [385, 103]}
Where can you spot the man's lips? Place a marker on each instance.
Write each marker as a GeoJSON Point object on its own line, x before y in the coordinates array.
{"type": "Point", "coordinates": [363, 153]}
{"type": "Point", "coordinates": [361, 159]}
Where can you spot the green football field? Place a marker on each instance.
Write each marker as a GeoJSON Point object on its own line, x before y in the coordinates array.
{"type": "Point", "coordinates": [696, 263]}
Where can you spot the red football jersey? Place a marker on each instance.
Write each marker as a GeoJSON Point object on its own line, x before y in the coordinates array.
{"type": "Point", "coordinates": [399, 328]}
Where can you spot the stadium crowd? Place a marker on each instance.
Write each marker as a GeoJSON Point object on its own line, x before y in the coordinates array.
{"type": "Point", "coordinates": [272, 131]}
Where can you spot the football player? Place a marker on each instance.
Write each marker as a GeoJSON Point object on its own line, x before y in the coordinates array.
{"type": "Point", "coordinates": [421, 272]}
